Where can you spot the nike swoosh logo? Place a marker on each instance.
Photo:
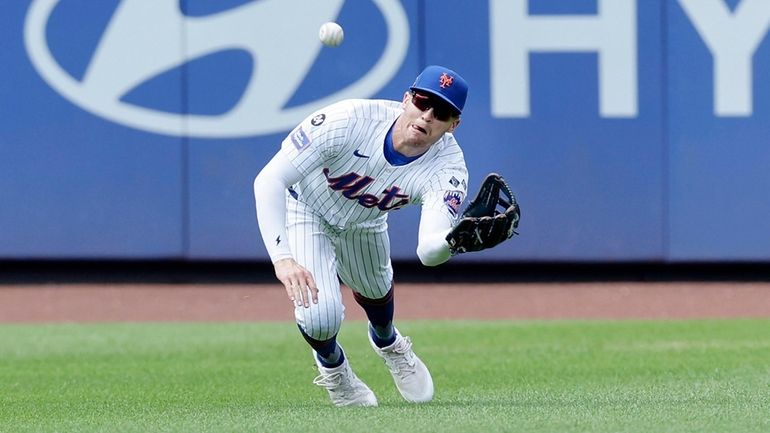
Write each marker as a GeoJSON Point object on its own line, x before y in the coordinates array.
{"type": "Point", "coordinates": [359, 154]}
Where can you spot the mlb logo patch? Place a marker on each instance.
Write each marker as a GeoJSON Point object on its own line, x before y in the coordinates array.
{"type": "Point", "coordinates": [453, 200]}
{"type": "Point", "coordinates": [299, 138]}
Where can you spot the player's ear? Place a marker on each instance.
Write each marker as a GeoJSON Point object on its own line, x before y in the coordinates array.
{"type": "Point", "coordinates": [455, 123]}
{"type": "Point", "coordinates": [406, 97]}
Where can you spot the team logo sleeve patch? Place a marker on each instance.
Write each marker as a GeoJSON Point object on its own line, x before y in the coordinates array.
{"type": "Point", "coordinates": [453, 200]}
{"type": "Point", "coordinates": [300, 138]}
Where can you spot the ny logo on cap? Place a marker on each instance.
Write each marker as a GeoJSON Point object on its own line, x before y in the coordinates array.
{"type": "Point", "coordinates": [445, 80]}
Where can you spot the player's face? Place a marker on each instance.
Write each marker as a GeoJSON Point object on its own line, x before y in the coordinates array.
{"type": "Point", "coordinates": [426, 118]}
{"type": "Point", "coordinates": [424, 102]}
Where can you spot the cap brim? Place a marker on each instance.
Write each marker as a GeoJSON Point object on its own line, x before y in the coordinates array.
{"type": "Point", "coordinates": [439, 95]}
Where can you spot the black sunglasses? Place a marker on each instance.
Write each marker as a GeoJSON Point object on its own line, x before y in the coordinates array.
{"type": "Point", "coordinates": [441, 110]}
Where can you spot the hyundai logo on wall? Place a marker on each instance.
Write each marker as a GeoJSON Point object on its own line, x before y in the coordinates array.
{"type": "Point", "coordinates": [144, 39]}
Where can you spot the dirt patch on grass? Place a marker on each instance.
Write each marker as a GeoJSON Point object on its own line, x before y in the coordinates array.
{"type": "Point", "coordinates": [110, 302]}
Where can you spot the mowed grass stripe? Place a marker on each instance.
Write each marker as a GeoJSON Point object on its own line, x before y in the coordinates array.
{"type": "Point", "coordinates": [570, 376]}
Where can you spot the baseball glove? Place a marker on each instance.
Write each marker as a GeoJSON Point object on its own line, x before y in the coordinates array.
{"type": "Point", "coordinates": [482, 225]}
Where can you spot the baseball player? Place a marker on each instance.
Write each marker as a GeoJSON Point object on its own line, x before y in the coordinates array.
{"type": "Point", "coordinates": [322, 203]}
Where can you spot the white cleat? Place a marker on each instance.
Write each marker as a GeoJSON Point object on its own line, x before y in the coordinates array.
{"type": "Point", "coordinates": [410, 374]}
{"type": "Point", "coordinates": [345, 388]}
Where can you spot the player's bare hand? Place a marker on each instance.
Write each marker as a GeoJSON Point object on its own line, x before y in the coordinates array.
{"type": "Point", "coordinates": [298, 281]}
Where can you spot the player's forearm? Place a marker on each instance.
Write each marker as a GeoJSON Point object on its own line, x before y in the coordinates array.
{"type": "Point", "coordinates": [270, 198]}
{"type": "Point", "coordinates": [432, 247]}
{"type": "Point", "coordinates": [433, 250]}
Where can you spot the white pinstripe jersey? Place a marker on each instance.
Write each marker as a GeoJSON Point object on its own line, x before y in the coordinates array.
{"type": "Point", "coordinates": [339, 150]}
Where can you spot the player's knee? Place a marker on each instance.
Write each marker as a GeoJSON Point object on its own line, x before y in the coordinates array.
{"type": "Point", "coordinates": [322, 330]}
{"type": "Point", "coordinates": [320, 323]}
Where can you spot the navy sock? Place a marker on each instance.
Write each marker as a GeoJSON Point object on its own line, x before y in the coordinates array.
{"type": "Point", "coordinates": [383, 336]}
{"type": "Point", "coordinates": [333, 359]}
{"type": "Point", "coordinates": [380, 315]}
{"type": "Point", "coordinates": [329, 353]}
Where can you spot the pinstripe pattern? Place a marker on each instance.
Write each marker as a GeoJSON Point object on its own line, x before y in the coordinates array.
{"type": "Point", "coordinates": [364, 260]}
{"type": "Point", "coordinates": [313, 249]}
{"type": "Point", "coordinates": [338, 223]}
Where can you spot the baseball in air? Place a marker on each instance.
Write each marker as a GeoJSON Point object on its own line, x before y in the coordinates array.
{"type": "Point", "coordinates": [331, 34]}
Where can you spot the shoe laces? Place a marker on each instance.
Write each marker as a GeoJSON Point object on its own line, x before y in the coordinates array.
{"type": "Point", "coordinates": [329, 381]}
{"type": "Point", "coordinates": [400, 359]}
{"type": "Point", "coordinates": [341, 386]}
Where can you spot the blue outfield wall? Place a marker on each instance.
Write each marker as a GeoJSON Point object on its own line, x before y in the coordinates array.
{"type": "Point", "coordinates": [630, 130]}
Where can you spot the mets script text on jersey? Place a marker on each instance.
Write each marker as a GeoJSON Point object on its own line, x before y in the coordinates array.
{"type": "Point", "coordinates": [352, 183]}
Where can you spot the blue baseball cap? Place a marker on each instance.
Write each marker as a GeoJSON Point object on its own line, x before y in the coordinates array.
{"type": "Point", "coordinates": [444, 83]}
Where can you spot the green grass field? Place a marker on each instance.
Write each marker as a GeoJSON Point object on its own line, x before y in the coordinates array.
{"type": "Point", "coordinates": [673, 376]}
